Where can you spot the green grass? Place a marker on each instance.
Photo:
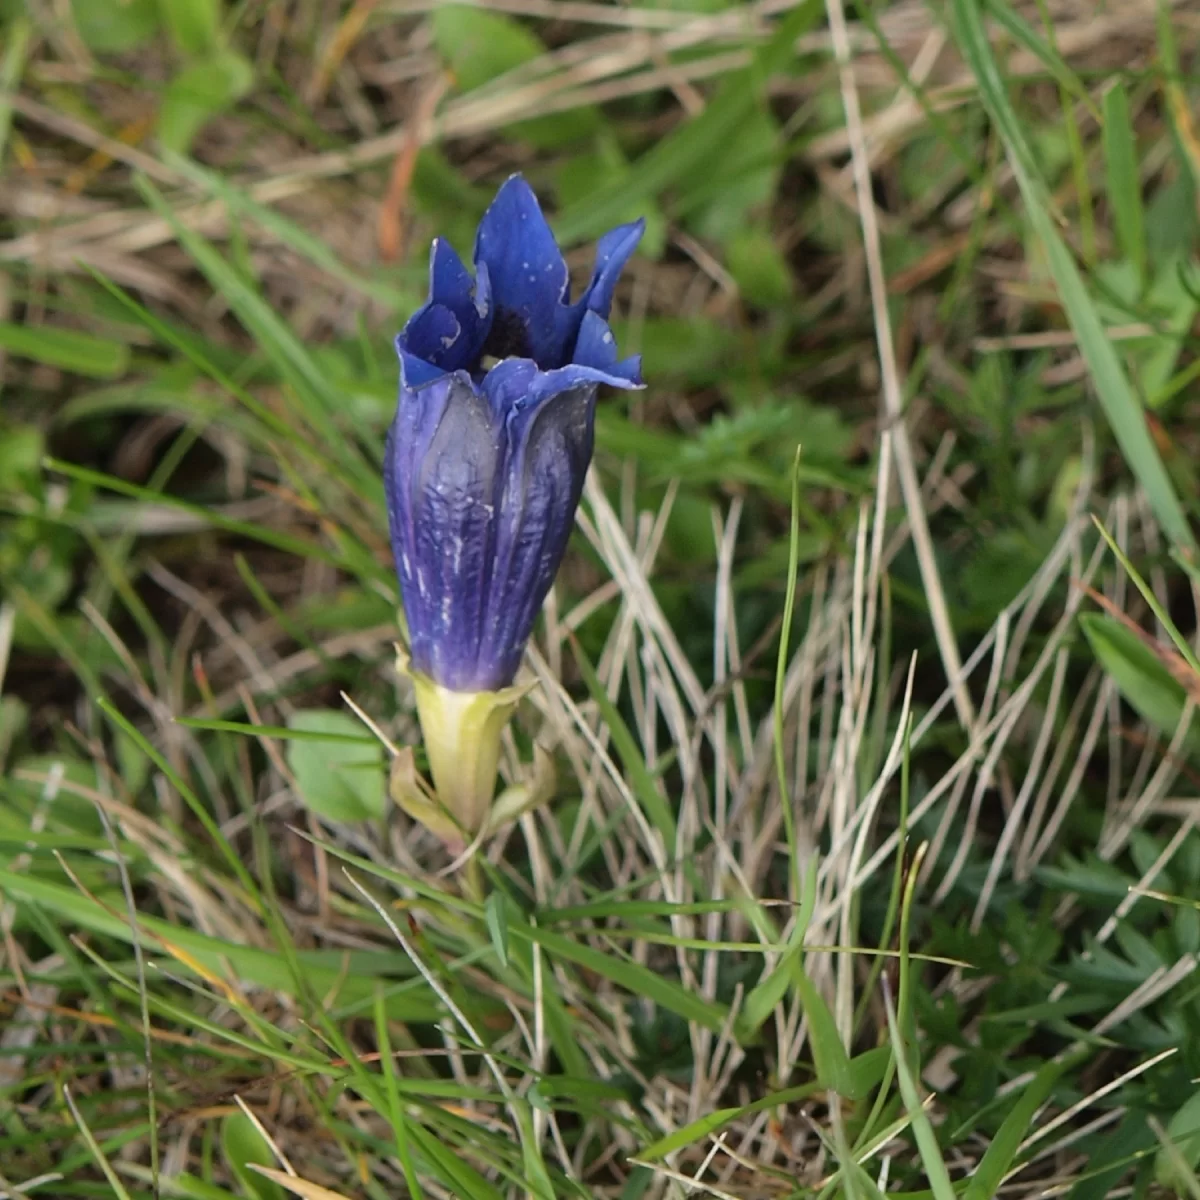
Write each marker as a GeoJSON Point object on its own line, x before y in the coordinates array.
{"type": "Point", "coordinates": [808, 916]}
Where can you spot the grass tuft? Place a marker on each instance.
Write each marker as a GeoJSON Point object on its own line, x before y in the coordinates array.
{"type": "Point", "coordinates": [873, 862]}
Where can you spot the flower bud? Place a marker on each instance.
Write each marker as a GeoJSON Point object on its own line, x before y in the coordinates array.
{"type": "Point", "coordinates": [485, 464]}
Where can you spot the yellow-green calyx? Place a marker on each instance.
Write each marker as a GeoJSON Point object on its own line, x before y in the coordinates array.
{"type": "Point", "coordinates": [462, 733]}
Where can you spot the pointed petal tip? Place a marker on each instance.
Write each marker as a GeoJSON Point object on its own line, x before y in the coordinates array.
{"type": "Point", "coordinates": [634, 229]}
{"type": "Point", "coordinates": [516, 197]}
{"type": "Point", "coordinates": [450, 282]}
{"type": "Point", "coordinates": [613, 251]}
{"type": "Point", "coordinates": [441, 254]}
{"type": "Point", "coordinates": [637, 230]}
{"type": "Point", "coordinates": [527, 275]}
{"type": "Point", "coordinates": [516, 183]}
{"type": "Point", "coordinates": [631, 369]}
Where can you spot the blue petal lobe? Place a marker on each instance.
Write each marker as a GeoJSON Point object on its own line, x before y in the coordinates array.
{"type": "Point", "coordinates": [449, 330]}
{"type": "Point", "coordinates": [613, 251]}
{"type": "Point", "coordinates": [450, 283]}
{"type": "Point", "coordinates": [516, 384]}
{"type": "Point", "coordinates": [553, 383]}
{"type": "Point", "coordinates": [596, 347]}
{"type": "Point", "coordinates": [508, 384]}
{"type": "Point", "coordinates": [428, 344]}
{"type": "Point", "coordinates": [528, 276]}
{"type": "Point", "coordinates": [451, 286]}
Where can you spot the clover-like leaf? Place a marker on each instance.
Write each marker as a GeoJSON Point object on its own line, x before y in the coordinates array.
{"type": "Point", "coordinates": [340, 774]}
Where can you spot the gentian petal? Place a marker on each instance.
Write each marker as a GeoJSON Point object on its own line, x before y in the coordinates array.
{"type": "Point", "coordinates": [449, 330]}
{"type": "Point", "coordinates": [549, 384]}
{"type": "Point", "coordinates": [450, 282]}
{"type": "Point", "coordinates": [468, 299]}
{"type": "Point", "coordinates": [508, 384]}
{"type": "Point", "coordinates": [613, 251]}
{"type": "Point", "coordinates": [528, 276]}
{"type": "Point", "coordinates": [516, 384]}
{"type": "Point", "coordinates": [550, 447]}
{"type": "Point", "coordinates": [428, 340]}
{"type": "Point", "coordinates": [597, 347]}
{"type": "Point", "coordinates": [445, 456]}
{"type": "Point", "coordinates": [418, 415]}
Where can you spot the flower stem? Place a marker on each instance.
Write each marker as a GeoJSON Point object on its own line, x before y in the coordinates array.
{"type": "Point", "coordinates": [471, 876]}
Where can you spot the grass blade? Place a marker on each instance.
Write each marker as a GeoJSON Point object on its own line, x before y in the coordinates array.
{"type": "Point", "coordinates": [1120, 403]}
{"type": "Point", "coordinates": [1124, 182]}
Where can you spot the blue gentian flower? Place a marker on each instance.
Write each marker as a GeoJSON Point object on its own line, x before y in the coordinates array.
{"type": "Point", "coordinates": [493, 436]}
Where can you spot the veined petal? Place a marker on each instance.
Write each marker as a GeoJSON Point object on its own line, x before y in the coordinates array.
{"type": "Point", "coordinates": [445, 457]}
{"type": "Point", "coordinates": [418, 415]}
{"type": "Point", "coordinates": [528, 276]}
{"type": "Point", "coordinates": [550, 447]}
